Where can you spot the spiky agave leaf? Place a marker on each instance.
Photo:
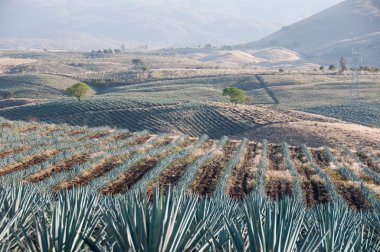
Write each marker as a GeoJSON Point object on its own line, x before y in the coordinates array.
{"type": "Point", "coordinates": [75, 213]}
{"type": "Point", "coordinates": [211, 209]}
{"type": "Point", "coordinates": [369, 239]}
{"type": "Point", "coordinates": [166, 224]}
{"type": "Point", "coordinates": [17, 207]}
{"type": "Point", "coordinates": [341, 226]}
{"type": "Point", "coordinates": [271, 226]}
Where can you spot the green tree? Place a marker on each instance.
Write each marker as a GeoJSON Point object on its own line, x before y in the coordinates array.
{"type": "Point", "coordinates": [78, 90]}
{"type": "Point", "coordinates": [343, 64]}
{"type": "Point", "coordinates": [236, 95]}
{"type": "Point", "coordinates": [137, 62]}
{"type": "Point", "coordinates": [8, 94]}
{"type": "Point", "coordinates": [143, 68]}
{"type": "Point", "coordinates": [332, 67]}
{"type": "Point", "coordinates": [322, 68]}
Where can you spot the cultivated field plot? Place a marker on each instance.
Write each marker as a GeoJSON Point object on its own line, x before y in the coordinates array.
{"type": "Point", "coordinates": [97, 66]}
{"type": "Point", "coordinates": [202, 89]}
{"type": "Point", "coordinates": [35, 86]}
{"type": "Point", "coordinates": [115, 162]}
{"type": "Point", "coordinates": [214, 119]}
{"type": "Point", "coordinates": [331, 95]}
{"type": "Point", "coordinates": [157, 117]}
{"type": "Point", "coordinates": [361, 113]}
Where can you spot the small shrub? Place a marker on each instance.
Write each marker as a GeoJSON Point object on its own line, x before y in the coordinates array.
{"type": "Point", "coordinates": [8, 94]}
{"type": "Point", "coordinates": [78, 90]}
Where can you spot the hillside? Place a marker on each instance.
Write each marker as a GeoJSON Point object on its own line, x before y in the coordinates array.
{"type": "Point", "coordinates": [330, 34]}
{"type": "Point", "coordinates": [97, 24]}
{"type": "Point", "coordinates": [267, 56]}
{"type": "Point", "coordinates": [214, 119]}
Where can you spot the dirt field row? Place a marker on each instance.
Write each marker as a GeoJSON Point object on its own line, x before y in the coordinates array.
{"type": "Point", "coordinates": [279, 181]}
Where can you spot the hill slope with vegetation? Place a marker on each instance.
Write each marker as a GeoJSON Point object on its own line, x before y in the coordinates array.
{"type": "Point", "coordinates": [332, 33]}
{"type": "Point", "coordinates": [215, 119]}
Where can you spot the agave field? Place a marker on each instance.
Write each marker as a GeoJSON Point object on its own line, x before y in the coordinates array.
{"type": "Point", "coordinates": [361, 113]}
{"type": "Point", "coordinates": [155, 115]}
{"type": "Point", "coordinates": [65, 188]}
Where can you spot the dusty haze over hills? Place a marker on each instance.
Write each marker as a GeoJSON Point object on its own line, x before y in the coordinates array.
{"type": "Point", "coordinates": [83, 24]}
{"type": "Point", "coordinates": [351, 26]}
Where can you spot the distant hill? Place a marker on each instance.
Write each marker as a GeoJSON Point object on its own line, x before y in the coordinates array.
{"type": "Point", "coordinates": [93, 24]}
{"type": "Point", "coordinates": [353, 25]}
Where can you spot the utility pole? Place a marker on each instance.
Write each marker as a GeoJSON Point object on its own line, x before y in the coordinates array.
{"type": "Point", "coordinates": [355, 62]}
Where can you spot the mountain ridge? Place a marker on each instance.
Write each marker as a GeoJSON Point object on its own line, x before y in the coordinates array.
{"type": "Point", "coordinates": [352, 25]}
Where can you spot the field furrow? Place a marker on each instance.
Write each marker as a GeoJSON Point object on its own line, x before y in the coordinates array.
{"type": "Point", "coordinates": [27, 162]}
{"type": "Point", "coordinates": [242, 180]}
{"type": "Point", "coordinates": [173, 173]}
{"type": "Point", "coordinates": [126, 180]}
{"type": "Point", "coordinates": [85, 176]}
{"type": "Point", "coordinates": [278, 180]}
{"type": "Point", "coordinates": [62, 166]}
{"type": "Point", "coordinates": [313, 187]}
{"type": "Point", "coordinates": [210, 173]}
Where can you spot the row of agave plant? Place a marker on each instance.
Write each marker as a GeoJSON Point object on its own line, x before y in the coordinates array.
{"type": "Point", "coordinates": [79, 220]}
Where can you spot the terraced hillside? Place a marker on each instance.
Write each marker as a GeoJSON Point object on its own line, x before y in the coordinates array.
{"type": "Point", "coordinates": [110, 161]}
{"type": "Point", "coordinates": [194, 118]}
{"type": "Point", "coordinates": [330, 95]}
{"type": "Point", "coordinates": [35, 86]}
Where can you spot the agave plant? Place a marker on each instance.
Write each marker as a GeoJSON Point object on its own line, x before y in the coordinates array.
{"type": "Point", "coordinates": [293, 171]}
{"type": "Point", "coordinates": [272, 226]}
{"type": "Point", "coordinates": [75, 213]}
{"type": "Point", "coordinates": [167, 224]}
{"type": "Point", "coordinates": [260, 180]}
{"type": "Point", "coordinates": [211, 209]}
{"type": "Point", "coordinates": [17, 206]}
{"type": "Point", "coordinates": [232, 163]}
{"type": "Point", "coordinates": [340, 227]}
{"type": "Point", "coordinates": [368, 239]}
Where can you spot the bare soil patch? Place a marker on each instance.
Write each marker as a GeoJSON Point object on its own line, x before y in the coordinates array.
{"type": "Point", "coordinates": [99, 135]}
{"type": "Point", "coordinates": [63, 166]}
{"type": "Point", "coordinates": [276, 160]}
{"type": "Point", "coordinates": [313, 188]}
{"type": "Point", "coordinates": [86, 176]}
{"type": "Point", "coordinates": [242, 180]}
{"type": "Point", "coordinates": [296, 128]}
{"type": "Point", "coordinates": [172, 174]}
{"type": "Point", "coordinates": [27, 162]}
{"type": "Point", "coordinates": [315, 192]}
{"type": "Point", "coordinates": [108, 164]}
{"type": "Point", "coordinates": [75, 132]}
{"type": "Point", "coordinates": [368, 161]}
{"type": "Point", "coordinates": [129, 178]}
{"type": "Point", "coordinates": [209, 174]}
{"type": "Point", "coordinates": [319, 158]}
{"type": "Point", "coordinates": [277, 188]}
{"type": "Point", "coordinates": [12, 152]}
{"type": "Point", "coordinates": [354, 196]}
{"type": "Point", "coordinates": [6, 63]}
{"type": "Point", "coordinates": [123, 136]}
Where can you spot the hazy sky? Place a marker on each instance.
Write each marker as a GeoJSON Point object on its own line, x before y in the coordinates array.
{"type": "Point", "coordinates": [154, 21]}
